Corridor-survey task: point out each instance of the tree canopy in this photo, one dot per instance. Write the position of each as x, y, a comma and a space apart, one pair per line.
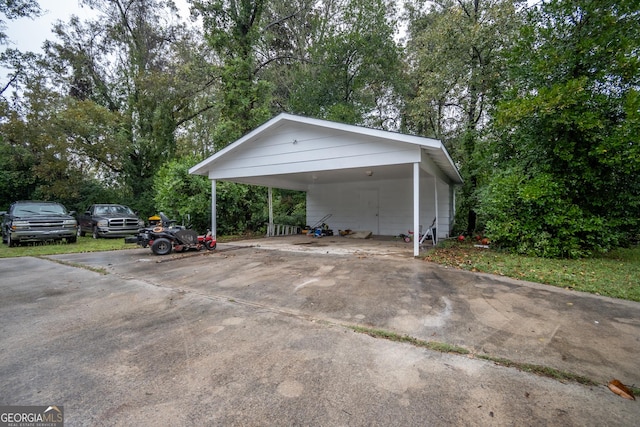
539, 105
568, 143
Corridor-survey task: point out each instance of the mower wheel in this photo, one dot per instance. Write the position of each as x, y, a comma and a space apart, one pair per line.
211, 245
161, 246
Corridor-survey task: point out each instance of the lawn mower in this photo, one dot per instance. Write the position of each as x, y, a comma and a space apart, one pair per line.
164, 236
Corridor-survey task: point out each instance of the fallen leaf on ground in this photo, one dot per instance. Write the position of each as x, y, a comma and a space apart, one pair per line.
621, 390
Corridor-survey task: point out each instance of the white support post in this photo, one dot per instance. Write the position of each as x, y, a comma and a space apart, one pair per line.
213, 208
270, 231
435, 192
452, 221
416, 209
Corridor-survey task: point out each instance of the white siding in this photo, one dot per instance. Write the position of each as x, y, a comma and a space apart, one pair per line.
301, 149
395, 206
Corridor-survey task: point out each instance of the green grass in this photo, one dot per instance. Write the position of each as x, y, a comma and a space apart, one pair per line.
616, 274
540, 370
543, 371
392, 336
84, 244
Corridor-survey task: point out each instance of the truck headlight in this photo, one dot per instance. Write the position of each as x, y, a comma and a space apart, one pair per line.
103, 223
19, 225
68, 223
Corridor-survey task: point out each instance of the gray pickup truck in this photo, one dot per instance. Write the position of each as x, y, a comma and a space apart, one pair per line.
37, 221
109, 220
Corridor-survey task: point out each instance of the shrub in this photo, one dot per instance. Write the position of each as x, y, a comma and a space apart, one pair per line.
533, 215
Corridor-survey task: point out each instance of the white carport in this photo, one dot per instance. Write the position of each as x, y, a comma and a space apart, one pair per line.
366, 179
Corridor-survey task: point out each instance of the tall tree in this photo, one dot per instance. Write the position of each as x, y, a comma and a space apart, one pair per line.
233, 29
569, 131
455, 53
12, 59
352, 70
132, 61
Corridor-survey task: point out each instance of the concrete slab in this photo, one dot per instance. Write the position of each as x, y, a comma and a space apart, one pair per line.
253, 336
386, 246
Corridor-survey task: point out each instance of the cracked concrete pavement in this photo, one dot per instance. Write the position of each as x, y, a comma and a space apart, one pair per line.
252, 335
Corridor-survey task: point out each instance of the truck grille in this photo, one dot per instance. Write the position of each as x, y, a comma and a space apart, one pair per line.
123, 223
46, 225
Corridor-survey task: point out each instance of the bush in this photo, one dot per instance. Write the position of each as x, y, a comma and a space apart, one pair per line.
533, 215
182, 196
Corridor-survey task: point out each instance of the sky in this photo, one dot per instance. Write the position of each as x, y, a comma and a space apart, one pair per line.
29, 34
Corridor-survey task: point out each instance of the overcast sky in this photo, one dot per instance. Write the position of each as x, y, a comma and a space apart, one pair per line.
30, 34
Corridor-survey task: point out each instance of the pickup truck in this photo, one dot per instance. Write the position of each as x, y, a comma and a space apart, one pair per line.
109, 220
37, 221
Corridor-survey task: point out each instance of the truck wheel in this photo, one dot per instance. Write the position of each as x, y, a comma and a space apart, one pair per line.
10, 241
72, 239
161, 246
80, 233
94, 234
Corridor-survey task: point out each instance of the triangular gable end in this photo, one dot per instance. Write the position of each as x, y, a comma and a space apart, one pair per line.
289, 144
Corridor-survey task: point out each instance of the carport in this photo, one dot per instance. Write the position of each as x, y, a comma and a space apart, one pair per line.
365, 179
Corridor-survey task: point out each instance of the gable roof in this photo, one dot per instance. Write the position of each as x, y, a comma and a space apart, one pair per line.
387, 146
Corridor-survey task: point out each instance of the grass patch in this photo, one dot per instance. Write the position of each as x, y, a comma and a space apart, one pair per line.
616, 274
99, 270
84, 244
543, 371
391, 336
540, 370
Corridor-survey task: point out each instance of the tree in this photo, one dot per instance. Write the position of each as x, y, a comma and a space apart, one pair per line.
233, 29
352, 70
183, 196
135, 62
573, 115
11, 58
456, 63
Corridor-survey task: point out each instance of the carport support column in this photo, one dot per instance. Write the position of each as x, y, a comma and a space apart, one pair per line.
213, 208
270, 230
435, 203
416, 209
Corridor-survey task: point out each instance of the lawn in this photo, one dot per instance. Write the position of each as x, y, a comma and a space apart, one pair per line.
84, 244
616, 274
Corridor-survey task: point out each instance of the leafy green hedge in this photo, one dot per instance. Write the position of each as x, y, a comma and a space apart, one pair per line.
532, 215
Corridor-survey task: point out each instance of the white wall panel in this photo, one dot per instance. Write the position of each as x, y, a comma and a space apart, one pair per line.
306, 150
395, 206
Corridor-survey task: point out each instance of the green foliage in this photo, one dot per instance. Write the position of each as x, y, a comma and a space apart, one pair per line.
233, 29
571, 124
182, 196
289, 207
17, 180
531, 215
241, 208
552, 171
456, 76
354, 68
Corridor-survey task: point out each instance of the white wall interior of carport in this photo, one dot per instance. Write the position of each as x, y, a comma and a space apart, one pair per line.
382, 206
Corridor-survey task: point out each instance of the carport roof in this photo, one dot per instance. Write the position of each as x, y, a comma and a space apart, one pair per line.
432, 148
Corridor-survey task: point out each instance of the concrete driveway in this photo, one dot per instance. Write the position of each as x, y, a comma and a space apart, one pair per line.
251, 335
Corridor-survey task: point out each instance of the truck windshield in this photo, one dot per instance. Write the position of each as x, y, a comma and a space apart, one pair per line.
39, 209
